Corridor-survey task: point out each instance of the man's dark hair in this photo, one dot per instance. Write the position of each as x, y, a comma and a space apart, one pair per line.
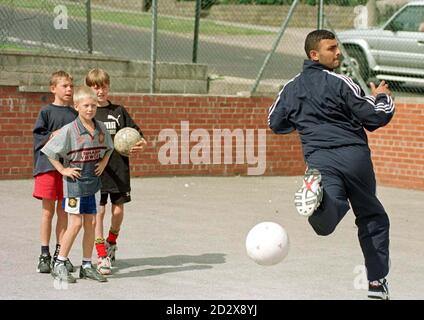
314, 37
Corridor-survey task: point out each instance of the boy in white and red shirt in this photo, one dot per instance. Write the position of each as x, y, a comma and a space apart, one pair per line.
85, 147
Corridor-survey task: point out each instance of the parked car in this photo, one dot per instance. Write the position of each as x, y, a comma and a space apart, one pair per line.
393, 52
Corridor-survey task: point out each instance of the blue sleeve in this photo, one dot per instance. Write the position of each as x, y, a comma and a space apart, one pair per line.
372, 112
278, 115
41, 131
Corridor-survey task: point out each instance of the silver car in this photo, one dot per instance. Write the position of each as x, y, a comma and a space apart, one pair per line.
393, 52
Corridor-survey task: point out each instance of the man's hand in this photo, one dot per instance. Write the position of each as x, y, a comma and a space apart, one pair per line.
139, 147
383, 87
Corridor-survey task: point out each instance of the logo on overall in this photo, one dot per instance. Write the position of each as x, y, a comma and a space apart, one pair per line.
72, 202
112, 126
109, 116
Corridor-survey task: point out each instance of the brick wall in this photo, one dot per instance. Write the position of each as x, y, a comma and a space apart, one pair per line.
397, 149
154, 113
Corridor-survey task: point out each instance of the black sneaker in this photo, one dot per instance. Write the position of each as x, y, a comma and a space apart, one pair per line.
60, 273
379, 290
44, 264
91, 273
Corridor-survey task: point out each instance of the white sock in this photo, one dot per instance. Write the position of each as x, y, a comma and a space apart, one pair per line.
60, 260
86, 263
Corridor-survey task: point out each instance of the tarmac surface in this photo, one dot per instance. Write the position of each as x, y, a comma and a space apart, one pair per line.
183, 238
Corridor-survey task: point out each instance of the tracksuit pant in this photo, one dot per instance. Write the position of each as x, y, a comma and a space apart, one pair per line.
348, 174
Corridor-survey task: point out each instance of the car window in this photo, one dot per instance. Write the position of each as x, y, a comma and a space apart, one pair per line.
411, 19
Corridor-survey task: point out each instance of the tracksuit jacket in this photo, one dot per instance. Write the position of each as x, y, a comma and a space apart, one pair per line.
328, 110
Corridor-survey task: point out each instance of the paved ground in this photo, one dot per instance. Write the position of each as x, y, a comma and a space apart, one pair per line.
183, 238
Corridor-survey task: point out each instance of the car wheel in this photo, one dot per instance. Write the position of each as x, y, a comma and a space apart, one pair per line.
357, 62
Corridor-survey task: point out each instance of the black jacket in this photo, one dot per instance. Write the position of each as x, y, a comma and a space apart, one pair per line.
328, 110
116, 176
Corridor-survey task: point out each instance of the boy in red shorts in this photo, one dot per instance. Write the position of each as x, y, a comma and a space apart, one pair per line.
48, 185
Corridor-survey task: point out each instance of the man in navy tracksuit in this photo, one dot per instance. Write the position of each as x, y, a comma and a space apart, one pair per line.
330, 112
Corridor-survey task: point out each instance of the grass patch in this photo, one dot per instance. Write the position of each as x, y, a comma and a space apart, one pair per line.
12, 46
140, 20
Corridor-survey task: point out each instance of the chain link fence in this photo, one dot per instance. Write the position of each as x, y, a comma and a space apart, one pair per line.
44, 26
245, 42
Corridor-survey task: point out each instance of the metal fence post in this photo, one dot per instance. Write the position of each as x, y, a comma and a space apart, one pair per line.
153, 46
372, 13
320, 14
274, 46
196, 30
89, 27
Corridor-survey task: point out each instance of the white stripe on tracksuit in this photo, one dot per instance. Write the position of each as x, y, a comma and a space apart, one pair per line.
385, 107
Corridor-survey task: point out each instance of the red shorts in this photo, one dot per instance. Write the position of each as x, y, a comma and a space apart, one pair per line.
48, 185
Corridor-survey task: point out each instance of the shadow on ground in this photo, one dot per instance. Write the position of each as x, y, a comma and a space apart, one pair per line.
125, 268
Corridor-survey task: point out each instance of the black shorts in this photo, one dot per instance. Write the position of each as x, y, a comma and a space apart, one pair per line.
115, 198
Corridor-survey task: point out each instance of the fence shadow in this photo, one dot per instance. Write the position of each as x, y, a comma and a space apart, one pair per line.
126, 268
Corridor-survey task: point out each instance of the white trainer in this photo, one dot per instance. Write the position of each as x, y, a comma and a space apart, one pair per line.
308, 198
104, 265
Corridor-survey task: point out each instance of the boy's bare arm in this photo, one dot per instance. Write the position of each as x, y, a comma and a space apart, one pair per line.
101, 165
73, 173
139, 146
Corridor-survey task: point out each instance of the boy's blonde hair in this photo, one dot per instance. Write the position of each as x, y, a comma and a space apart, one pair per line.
97, 77
84, 92
55, 76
